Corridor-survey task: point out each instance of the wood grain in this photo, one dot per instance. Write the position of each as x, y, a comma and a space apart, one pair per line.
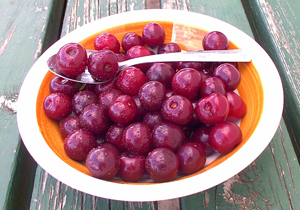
270, 182
25, 25
276, 27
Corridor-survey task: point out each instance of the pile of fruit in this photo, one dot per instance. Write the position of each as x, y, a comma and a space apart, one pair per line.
156, 119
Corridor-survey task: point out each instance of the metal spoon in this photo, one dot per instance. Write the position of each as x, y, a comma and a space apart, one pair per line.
237, 55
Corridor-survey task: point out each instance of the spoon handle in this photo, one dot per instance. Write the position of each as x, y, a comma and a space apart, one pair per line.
198, 56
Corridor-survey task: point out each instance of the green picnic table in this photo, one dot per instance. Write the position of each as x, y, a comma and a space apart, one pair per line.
29, 27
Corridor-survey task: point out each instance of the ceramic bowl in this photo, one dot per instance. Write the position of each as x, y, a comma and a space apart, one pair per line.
260, 88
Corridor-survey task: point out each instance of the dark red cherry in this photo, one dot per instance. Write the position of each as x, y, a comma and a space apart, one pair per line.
137, 138
71, 59
162, 73
114, 136
103, 162
152, 95
61, 85
162, 164
131, 39
214, 65
186, 82
153, 34
79, 143
168, 48
122, 110
130, 80
57, 106
212, 85
212, 109
94, 118
151, 119
132, 167
225, 136
237, 107
201, 136
189, 64
107, 41
141, 111
229, 75
103, 65
99, 88
215, 40
82, 99
136, 52
108, 96
167, 135
69, 125
177, 109
191, 157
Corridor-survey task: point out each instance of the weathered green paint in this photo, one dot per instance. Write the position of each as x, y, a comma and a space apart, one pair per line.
276, 27
26, 26
270, 182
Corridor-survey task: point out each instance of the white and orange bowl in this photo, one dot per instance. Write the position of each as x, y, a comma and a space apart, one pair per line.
260, 88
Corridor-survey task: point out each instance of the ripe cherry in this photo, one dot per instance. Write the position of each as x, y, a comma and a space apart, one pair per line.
71, 59
132, 167
108, 96
212, 109
103, 162
114, 136
107, 41
160, 72
212, 85
61, 85
153, 34
137, 138
177, 109
225, 136
136, 52
167, 135
237, 107
130, 80
122, 110
162, 164
103, 65
57, 106
186, 82
131, 39
229, 75
191, 157
82, 99
201, 136
69, 125
79, 143
168, 48
152, 119
152, 95
215, 40
94, 118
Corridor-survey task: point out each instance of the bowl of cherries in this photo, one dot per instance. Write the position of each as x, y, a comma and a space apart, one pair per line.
155, 126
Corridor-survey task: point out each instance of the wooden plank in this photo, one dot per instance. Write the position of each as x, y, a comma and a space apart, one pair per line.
49, 193
276, 27
25, 25
270, 182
